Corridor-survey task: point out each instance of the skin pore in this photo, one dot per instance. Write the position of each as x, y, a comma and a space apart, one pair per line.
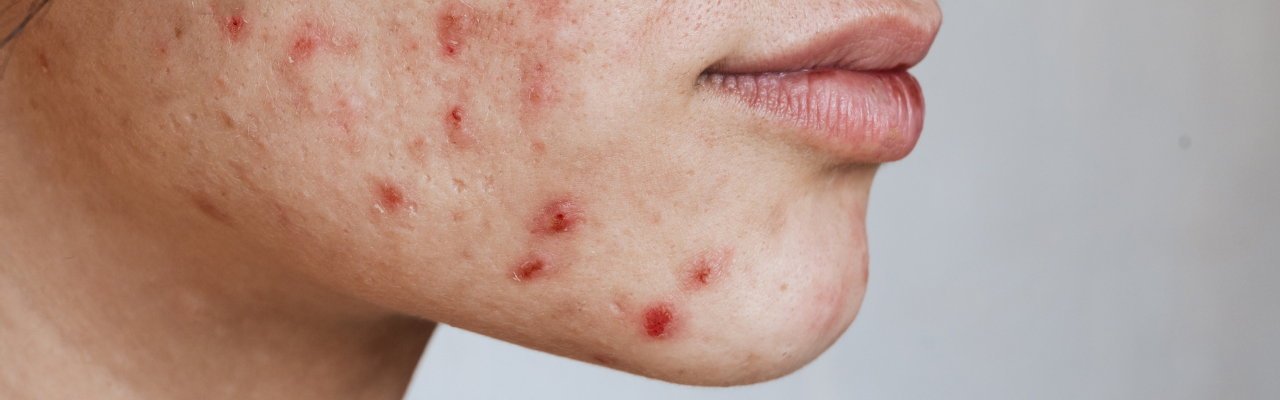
274, 199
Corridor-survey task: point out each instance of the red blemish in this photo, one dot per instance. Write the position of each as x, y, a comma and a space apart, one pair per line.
539, 88
282, 215
459, 133
604, 360
206, 207
391, 198
559, 216
550, 9
346, 110
307, 39
44, 62
235, 27
418, 148
659, 320
706, 268
457, 23
531, 268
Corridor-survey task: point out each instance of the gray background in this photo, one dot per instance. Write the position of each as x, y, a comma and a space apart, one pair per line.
1091, 214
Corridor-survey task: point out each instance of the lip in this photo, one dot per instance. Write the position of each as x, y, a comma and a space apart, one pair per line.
844, 92
860, 117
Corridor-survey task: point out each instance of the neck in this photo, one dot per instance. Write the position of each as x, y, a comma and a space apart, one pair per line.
98, 299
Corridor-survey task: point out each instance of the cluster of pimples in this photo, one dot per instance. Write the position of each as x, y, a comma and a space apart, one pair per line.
464, 36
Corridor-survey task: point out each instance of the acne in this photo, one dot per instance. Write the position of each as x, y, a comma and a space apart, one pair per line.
390, 198
659, 320
43, 59
604, 360
706, 268
206, 207
312, 37
282, 215
539, 84
458, 129
557, 217
532, 268
231, 17
455, 27
236, 28
306, 40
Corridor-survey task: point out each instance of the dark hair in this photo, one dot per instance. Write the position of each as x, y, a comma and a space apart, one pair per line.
5, 21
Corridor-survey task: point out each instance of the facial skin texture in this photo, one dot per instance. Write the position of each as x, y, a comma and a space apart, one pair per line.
321, 173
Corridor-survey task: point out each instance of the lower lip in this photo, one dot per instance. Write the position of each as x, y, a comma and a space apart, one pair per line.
860, 117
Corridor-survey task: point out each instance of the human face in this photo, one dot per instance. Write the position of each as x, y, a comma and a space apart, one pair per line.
625, 183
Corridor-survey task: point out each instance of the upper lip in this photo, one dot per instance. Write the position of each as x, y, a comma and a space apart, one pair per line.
877, 39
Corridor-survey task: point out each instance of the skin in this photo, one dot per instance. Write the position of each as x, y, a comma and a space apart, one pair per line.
275, 199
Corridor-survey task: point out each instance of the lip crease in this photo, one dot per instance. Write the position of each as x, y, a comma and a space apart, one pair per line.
845, 93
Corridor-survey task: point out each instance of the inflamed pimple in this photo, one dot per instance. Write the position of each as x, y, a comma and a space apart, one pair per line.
311, 37
235, 27
659, 320
706, 268
460, 134
390, 197
456, 24
531, 268
557, 217
206, 207
306, 40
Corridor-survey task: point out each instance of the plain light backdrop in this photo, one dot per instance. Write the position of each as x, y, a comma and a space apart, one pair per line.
1093, 212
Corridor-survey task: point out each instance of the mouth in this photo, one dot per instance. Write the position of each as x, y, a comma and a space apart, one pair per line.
844, 92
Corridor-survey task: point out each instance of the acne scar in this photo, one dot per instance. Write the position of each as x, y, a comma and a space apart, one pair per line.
706, 268
659, 320
557, 217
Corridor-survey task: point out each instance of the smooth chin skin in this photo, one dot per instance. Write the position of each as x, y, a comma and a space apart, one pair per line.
544, 172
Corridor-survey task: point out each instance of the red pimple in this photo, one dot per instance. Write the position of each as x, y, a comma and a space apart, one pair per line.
235, 27
44, 62
307, 40
550, 9
459, 134
390, 197
604, 360
206, 207
455, 25
538, 87
659, 320
706, 268
559, 216
531, 269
